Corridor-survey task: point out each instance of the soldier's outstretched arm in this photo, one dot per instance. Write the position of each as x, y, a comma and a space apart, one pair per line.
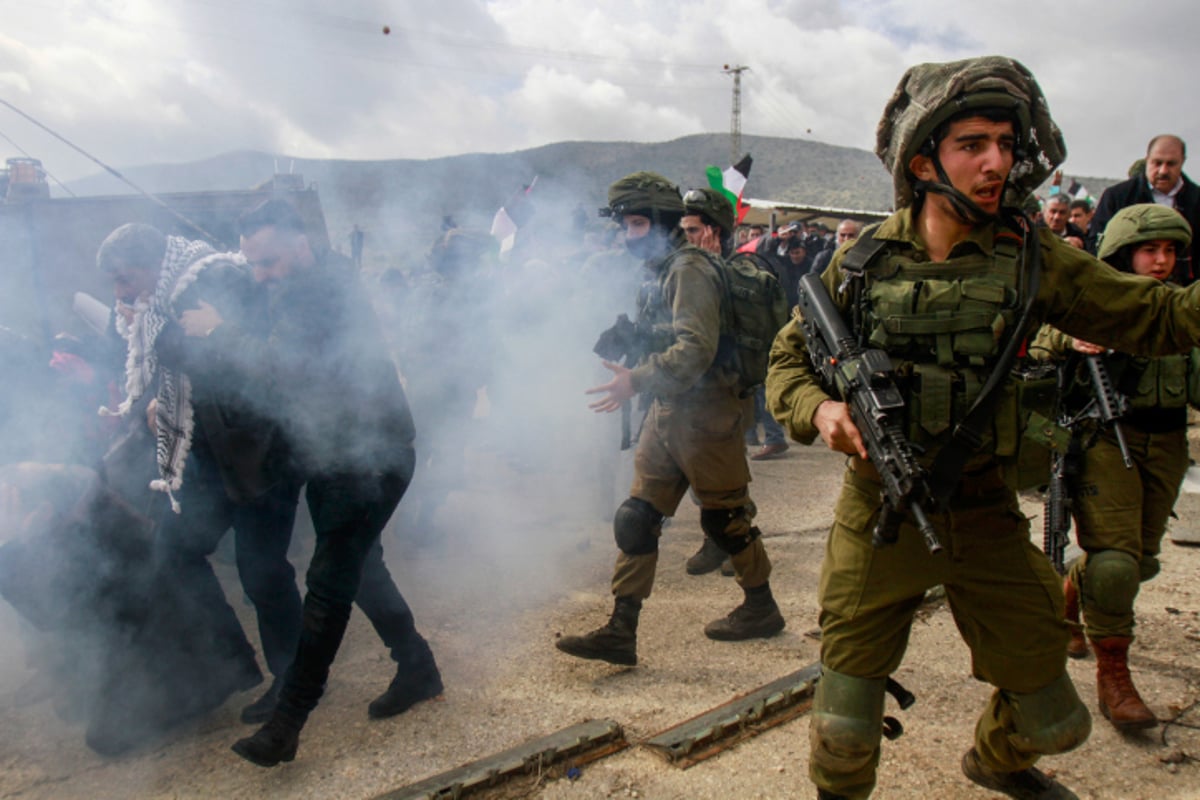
1091, 301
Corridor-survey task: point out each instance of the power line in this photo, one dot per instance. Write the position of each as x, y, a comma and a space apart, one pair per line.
212, 239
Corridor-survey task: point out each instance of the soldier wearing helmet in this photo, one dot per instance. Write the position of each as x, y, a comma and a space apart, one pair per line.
692, 434
1121, 515
951, 286
708, 221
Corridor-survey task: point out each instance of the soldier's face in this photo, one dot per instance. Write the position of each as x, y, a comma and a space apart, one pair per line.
635, 226
1164, 164
1155, 259
698, 234
977, 155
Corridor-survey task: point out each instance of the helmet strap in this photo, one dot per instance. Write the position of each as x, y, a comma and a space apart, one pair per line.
963, 207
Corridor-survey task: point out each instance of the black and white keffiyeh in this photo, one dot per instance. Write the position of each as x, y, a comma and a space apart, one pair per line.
183, 263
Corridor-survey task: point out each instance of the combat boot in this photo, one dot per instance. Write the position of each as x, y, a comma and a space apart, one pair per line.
272, 743
757, 617
614, 642
1120, 702
1024, 784
708, 558
1077, 646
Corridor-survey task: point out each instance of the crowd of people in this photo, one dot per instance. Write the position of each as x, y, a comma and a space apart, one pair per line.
254, 378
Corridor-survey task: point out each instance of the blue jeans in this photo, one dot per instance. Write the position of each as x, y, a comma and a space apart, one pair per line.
772, 430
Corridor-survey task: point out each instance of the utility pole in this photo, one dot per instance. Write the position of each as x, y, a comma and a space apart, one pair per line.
735, 118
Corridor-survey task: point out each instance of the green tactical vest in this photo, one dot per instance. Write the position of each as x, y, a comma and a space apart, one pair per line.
1160, 382
944, 324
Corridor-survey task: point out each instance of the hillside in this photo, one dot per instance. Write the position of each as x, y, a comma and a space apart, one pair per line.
401, 202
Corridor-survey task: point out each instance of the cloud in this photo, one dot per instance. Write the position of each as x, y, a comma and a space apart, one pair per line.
140, 81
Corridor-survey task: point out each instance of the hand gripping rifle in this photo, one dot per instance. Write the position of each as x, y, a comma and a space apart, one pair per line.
864, 379
1107, 405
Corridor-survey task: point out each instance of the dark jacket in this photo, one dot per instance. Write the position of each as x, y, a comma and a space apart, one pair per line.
247, 447
323, 373
1136, 190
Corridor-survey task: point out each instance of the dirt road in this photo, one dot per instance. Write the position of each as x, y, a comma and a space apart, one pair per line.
491, 598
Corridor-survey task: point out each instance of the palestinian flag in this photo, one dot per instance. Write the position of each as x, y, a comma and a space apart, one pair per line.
731, 182
1077, 190
511, 216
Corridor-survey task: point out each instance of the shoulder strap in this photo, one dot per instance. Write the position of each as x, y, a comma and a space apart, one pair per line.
862, 252
967, 435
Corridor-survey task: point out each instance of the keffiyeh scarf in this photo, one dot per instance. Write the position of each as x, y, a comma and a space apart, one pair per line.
182, 264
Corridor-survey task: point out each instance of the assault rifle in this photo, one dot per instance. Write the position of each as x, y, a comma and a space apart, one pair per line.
1105, 405
620, 342
864, 379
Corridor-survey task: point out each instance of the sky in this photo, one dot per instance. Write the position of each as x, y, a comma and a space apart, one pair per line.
142, 81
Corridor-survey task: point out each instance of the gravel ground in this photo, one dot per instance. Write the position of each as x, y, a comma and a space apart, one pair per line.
518, 565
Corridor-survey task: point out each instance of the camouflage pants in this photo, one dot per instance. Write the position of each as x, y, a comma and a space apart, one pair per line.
696, 443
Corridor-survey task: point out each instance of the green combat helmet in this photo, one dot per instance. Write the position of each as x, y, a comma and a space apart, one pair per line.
713, 206
1145, 222
931, 94
645, 194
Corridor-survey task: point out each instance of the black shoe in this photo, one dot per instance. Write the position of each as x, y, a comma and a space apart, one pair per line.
708, 558
261, 709
404, 692
615, 643
760, 620
1025, 784
274, 742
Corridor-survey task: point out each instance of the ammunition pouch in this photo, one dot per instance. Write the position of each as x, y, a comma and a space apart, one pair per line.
1026, 434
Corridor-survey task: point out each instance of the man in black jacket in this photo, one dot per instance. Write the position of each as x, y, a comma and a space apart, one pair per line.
1162, 182
324, 375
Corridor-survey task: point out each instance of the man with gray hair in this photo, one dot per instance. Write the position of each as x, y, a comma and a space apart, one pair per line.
1056, 216
1161, 181
234, 461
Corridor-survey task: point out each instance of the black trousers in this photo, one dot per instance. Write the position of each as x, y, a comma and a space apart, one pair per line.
263, 531
349, 512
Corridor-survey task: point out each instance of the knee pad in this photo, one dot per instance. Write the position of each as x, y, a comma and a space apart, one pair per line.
1110, 581
847, 722
1051, 720
636, 527
729, 528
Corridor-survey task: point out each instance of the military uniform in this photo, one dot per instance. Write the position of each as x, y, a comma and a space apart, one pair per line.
693, 433
1121, 514
1002, 591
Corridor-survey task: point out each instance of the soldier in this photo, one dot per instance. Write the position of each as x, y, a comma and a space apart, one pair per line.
948, 285
692, 435
1122, 514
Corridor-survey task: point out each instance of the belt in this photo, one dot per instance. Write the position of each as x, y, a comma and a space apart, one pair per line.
985, 482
